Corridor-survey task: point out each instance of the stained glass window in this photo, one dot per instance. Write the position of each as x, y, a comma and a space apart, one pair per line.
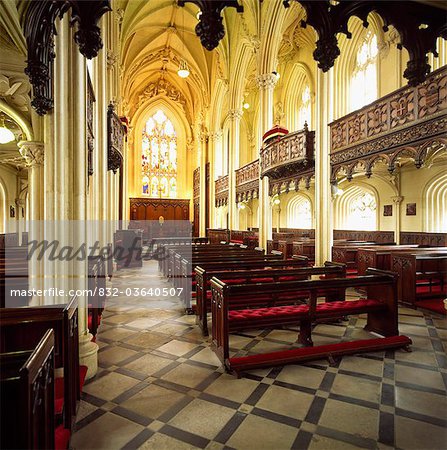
364, 79
159, 157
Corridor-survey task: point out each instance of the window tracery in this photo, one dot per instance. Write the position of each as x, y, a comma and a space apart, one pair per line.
364, 78
159, 157
304, 113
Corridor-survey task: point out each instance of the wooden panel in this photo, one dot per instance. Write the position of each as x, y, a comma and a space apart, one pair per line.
431, 239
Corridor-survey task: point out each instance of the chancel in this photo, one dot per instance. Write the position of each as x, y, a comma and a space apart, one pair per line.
223, 224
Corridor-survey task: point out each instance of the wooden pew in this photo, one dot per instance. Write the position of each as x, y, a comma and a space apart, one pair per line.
13, 276
22, 329
379, 257
380, 305
185, 281
291, 270
347, 253
422, 275
97, 291
27, 398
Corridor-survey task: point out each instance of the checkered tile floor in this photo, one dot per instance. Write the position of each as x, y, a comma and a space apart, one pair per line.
159, 386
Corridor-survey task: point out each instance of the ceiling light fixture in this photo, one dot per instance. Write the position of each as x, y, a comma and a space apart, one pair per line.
246, 105
6, 135
183, 69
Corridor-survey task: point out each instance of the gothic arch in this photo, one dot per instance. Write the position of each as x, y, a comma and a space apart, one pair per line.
3, 204
299, 78
184, 139
295, 208
343, 203
435, 204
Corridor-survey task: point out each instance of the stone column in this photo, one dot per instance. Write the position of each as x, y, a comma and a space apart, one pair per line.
203, 206
235, 116
397, 201
266, 83
323, 203
215, 145
33, 153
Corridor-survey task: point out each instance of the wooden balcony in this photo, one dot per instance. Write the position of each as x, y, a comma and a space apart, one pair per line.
288, 156
221, 191
410, 122
247, 181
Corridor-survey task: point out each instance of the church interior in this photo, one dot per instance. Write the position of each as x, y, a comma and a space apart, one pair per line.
223, 224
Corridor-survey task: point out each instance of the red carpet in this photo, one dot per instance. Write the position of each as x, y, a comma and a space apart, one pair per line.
435, 305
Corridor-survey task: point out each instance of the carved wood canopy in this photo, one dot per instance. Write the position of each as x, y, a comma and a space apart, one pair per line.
419, 26
210, 28
409, 122
288, 160
247, 181
116, 133
221, 191
39, 31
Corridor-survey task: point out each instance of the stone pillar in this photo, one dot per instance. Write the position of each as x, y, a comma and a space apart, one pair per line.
266, 83
215, 146
235, 116
33, 153
88, 350
203, 206
397, 200
323, 198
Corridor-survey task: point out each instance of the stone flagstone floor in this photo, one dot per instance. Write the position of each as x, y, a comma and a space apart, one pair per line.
159, 386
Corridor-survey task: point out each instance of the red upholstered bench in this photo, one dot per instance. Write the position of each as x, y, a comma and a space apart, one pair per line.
282, 271
380, 306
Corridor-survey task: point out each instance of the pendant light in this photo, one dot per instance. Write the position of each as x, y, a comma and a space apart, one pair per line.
6, 135
183, 69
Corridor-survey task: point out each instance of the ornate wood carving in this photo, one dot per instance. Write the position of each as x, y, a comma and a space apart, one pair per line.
431, 239
115, 139
407, 122
247, 181
221, 191
210, 28
39, 31
288, 156
196, 185
90, 135
418, 25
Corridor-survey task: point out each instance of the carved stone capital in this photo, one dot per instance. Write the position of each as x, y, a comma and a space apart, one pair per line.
112, 59
216, 135
397, 200
32, 152
235, 114
266, 81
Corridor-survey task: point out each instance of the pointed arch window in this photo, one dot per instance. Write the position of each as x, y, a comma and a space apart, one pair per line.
364, 78
304, 113
362, 212
159, 157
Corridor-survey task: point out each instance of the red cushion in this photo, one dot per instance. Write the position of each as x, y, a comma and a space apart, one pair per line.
58, 395
339, 308
61, 438
264, 313
435, 289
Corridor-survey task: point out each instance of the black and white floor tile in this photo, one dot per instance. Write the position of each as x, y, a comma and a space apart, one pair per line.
160, 386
